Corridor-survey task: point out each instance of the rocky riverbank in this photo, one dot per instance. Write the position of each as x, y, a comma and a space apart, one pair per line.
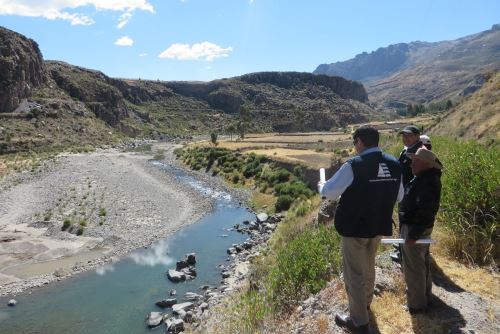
80, 211
192, 307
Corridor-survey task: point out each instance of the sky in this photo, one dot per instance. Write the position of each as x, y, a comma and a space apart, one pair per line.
210, 39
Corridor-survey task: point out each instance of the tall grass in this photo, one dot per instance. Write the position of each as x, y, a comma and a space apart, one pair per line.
304, 266
470, 199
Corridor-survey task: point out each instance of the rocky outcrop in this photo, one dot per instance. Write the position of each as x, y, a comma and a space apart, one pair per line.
346, 89
91, 87
21, 68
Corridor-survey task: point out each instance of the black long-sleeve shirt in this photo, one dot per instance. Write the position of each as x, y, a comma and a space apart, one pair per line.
421, 202
405, 161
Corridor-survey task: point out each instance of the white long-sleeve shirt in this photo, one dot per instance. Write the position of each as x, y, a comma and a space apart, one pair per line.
338, 183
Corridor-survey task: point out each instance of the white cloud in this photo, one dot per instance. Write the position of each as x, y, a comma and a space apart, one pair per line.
123, 20
58, 9
143, 54
124, 41
198, 51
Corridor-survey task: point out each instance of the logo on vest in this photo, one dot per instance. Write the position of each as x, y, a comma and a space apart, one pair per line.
383, 170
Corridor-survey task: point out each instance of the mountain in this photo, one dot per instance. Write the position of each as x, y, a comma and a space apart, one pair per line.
421, 72
52, 103
477, 117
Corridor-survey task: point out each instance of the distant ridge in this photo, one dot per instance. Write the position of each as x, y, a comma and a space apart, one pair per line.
420, 72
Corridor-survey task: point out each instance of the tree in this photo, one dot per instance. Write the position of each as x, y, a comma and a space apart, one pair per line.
409, 109
240, 126
244, 120
213, 138
231, 129
448, 104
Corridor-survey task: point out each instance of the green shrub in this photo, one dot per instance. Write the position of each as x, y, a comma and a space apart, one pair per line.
279, 176
66, 224
235, 178
47, 215
283, 203
304, 265
298, 171
295, 189
469, 200
102, 212
80, 230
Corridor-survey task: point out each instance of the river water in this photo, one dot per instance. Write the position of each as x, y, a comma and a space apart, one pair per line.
116, 298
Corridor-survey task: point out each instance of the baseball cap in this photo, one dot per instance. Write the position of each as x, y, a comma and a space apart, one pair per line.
410, 129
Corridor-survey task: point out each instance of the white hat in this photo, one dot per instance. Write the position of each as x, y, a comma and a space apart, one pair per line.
427, 156
425, 139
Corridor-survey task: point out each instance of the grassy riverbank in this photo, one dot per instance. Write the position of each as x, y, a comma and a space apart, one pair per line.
301, 258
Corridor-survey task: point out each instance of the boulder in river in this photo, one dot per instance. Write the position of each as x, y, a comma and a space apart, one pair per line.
191, 296
191, 259
262, 217
154, 319
175, 325
182, 306
166, 302
176, 276
179, 265
12, 302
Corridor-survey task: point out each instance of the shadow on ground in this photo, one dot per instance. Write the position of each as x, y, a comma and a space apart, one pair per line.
440, 317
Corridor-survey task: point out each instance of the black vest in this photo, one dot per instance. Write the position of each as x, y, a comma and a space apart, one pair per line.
365, 207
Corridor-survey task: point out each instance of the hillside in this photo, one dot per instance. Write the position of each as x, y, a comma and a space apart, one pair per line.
477, 117
420, 72
51, 103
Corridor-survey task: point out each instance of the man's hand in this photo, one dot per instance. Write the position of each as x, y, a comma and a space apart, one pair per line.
410, 242
320, 186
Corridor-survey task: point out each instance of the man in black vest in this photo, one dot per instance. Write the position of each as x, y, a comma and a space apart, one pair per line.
370, 185
411, 140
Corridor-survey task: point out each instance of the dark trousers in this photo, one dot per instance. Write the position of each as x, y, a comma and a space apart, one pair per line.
417, 271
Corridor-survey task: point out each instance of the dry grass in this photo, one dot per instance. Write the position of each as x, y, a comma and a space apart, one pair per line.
477, 117
475, 279
307, 157
422, 120
262, 200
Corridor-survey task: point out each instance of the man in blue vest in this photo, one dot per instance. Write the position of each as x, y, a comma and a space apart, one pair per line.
370, 184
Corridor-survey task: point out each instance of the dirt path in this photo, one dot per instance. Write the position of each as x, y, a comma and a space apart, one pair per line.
111, 202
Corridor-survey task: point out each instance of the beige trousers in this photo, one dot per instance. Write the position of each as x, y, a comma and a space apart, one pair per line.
359, 275
417, 271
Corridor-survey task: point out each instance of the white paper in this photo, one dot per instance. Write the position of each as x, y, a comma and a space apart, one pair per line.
322, 175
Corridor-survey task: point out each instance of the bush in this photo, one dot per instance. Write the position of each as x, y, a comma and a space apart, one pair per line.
469, 200
283, 203
235, 178
102, 212
295, 189
304, 265
279, 176
298, 171
66, 224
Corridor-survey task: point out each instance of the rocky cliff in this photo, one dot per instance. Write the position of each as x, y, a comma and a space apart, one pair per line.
21, 68
87, 103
